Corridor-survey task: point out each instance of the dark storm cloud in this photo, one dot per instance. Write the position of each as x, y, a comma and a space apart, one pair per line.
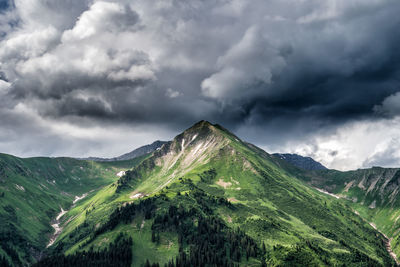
4, 5
329, 66
333, 78
294, 69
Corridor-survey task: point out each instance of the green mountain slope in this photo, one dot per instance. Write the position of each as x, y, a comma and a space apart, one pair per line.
34, 190
372, 193
209, 199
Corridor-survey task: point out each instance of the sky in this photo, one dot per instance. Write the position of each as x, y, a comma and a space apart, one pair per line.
102, 77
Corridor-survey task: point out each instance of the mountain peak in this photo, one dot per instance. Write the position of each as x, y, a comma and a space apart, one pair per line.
201, 124
200, 129
203, 128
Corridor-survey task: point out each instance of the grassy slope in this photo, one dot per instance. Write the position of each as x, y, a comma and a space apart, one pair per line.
269, 204
373, 193
36, 188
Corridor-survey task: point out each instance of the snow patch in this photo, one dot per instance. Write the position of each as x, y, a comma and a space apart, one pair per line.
57, 225
77, 198
327, 193
183, 144
57, 228
137, 195
61, 214
121, 173
20, 187
51, 182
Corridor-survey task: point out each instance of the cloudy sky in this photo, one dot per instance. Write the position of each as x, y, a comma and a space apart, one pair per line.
99, 78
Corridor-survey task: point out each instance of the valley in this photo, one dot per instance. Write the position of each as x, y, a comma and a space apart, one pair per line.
57, 228
32, 193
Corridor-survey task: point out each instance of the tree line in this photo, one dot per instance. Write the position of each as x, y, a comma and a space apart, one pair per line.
117, 254
210, 241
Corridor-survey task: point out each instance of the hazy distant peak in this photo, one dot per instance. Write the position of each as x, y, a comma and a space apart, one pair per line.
143, 150
305, 163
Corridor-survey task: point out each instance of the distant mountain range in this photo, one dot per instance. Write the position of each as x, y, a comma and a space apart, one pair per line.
305, 163
143, 150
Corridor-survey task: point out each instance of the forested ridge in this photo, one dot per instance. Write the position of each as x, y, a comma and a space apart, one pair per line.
118, 254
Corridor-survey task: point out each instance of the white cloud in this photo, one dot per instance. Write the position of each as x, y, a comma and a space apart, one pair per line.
60, 138
4, 88
83, 56
355, 145
253, 60
100, 18
390, 106
172, 93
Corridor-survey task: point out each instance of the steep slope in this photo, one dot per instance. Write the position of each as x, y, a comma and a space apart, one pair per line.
139, 152
305, 163
34, 190
187, 201
373, 193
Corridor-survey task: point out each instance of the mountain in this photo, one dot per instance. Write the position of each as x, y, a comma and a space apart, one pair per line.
141, 151
208, 198
305, 163
373, 193
34, 190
